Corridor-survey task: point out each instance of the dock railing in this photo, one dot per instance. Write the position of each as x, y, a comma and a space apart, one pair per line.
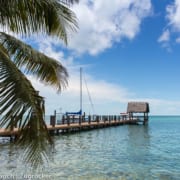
77, 123
74, 119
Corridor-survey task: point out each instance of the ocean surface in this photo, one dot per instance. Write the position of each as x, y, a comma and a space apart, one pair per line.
129, 152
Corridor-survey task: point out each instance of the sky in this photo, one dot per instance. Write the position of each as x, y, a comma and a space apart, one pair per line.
129, 50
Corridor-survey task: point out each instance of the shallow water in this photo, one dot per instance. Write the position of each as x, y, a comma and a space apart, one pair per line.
124, 153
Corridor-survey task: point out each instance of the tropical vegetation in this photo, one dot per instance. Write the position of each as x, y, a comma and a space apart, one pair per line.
20, 103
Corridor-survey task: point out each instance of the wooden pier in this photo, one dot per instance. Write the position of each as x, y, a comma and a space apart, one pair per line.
75, 124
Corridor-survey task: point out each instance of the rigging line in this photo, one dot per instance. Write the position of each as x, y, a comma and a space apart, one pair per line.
90, 99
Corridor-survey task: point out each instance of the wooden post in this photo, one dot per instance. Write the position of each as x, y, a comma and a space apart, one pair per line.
115, 118
52, 121
145, 119
84, 115
63, 119
93, 118
73, 118
68, 120
132, 116
89, 119
97, 119
80, 120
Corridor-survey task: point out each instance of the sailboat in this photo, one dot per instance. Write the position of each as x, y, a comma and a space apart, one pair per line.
80, 111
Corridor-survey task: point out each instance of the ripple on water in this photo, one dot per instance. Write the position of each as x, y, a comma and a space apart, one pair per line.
125, 152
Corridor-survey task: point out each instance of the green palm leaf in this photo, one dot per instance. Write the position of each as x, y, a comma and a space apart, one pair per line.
30, 16
20, 103
18, 97
46, 69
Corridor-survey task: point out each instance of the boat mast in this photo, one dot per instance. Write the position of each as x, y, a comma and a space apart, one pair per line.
80, 89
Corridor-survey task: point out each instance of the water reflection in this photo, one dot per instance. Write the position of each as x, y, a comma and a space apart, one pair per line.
138, 150
138, 139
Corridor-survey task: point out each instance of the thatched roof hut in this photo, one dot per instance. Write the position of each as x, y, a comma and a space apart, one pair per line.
138, 107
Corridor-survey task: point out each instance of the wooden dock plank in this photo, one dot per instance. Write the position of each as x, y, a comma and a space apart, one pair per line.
15, 131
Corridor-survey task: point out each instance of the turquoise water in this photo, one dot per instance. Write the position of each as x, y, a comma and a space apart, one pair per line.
118, 153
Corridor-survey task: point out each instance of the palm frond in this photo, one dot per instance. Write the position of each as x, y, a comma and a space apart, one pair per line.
50, 17
46, 69
20, 104
19, 98
68, 2
35, 139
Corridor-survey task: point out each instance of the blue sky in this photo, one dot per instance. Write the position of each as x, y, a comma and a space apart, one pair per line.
129, 51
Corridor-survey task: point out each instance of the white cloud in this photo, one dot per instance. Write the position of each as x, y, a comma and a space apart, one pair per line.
173, 26
50, 47
107, 98
173, 15
165, 37
102, 23
100, 26
103, 94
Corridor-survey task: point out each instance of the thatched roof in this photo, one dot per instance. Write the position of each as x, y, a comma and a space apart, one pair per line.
138, 107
